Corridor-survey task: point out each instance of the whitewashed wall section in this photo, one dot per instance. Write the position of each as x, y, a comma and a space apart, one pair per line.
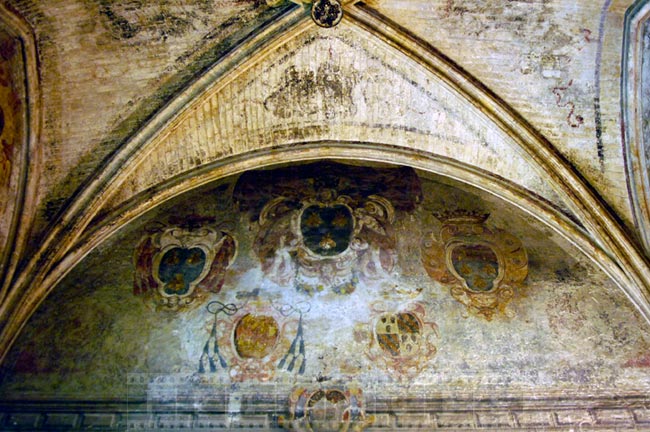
555, 63
332, 85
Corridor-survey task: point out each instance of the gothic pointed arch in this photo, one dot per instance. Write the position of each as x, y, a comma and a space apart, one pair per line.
20, 152
256, 107
635, 101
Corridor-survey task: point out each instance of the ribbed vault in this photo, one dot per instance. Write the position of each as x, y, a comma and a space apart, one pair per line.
249, 102
365, 98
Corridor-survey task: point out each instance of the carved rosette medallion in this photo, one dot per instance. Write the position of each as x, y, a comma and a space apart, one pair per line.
176, 266
325, 242
402, 341
327, 13
481, 265
326, 410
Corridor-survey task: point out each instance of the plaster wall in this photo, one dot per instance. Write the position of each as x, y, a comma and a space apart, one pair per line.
567, 328
557, 64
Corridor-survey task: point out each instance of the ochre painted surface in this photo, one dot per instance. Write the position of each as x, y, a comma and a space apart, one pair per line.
564, 328
107, 66
104, 76
338, 86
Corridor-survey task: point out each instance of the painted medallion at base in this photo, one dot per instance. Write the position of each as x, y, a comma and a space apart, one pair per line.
326, 410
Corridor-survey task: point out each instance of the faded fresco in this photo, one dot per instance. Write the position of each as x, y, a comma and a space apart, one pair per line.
122, 60
334, 295
12, 133
332, 86
333, 284
326, 409
178, 264
483, 266
325, 228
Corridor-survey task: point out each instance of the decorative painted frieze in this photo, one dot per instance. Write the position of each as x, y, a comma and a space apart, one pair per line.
482, 266
513, 414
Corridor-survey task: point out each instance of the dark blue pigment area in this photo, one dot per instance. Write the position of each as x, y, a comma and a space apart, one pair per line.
179, 267
326, 230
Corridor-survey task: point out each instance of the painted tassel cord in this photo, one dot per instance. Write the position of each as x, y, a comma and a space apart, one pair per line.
211, 347
296, 353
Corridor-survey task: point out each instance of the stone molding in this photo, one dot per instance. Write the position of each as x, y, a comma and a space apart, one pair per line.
548, 414
28, 154
634, 77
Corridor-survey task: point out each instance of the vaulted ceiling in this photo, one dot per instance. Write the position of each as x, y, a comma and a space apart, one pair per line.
240, 195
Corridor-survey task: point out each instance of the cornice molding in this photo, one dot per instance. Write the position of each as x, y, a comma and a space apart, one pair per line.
263, 411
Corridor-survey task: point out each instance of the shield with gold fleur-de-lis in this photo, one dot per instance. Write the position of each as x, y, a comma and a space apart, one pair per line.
327, 229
